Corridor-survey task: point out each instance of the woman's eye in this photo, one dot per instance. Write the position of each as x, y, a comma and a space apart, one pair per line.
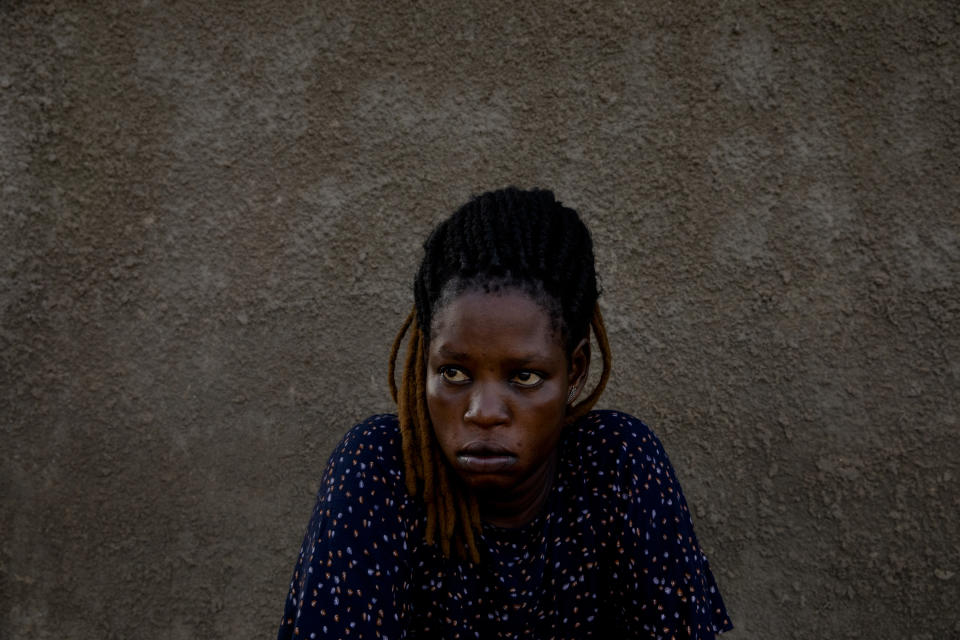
527, 378
454, 375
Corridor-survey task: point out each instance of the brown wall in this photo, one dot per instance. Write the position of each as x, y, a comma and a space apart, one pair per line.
209, 221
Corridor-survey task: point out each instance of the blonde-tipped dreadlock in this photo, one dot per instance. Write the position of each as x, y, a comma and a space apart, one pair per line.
449, 509
507, 238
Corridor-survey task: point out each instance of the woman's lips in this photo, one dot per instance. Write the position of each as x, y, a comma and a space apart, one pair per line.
485, 457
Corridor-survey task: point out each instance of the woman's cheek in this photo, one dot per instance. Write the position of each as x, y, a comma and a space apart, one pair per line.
440, 405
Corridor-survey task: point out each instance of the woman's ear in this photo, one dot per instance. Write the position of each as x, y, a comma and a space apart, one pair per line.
579, 368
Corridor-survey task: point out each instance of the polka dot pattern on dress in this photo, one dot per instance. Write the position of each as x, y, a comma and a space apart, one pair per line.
613, 554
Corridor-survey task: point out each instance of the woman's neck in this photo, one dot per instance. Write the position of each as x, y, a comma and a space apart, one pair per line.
524, 504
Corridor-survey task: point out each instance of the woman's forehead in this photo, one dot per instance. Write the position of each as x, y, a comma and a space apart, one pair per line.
494, 290
506, 318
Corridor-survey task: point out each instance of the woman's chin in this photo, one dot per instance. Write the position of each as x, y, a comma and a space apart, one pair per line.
485, 484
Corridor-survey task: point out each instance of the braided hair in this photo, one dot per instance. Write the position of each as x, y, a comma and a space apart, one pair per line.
510, 238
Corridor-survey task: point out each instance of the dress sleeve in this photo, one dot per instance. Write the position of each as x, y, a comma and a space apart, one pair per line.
350, 578
667, 587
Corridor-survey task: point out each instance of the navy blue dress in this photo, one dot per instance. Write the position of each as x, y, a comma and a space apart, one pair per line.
613, 555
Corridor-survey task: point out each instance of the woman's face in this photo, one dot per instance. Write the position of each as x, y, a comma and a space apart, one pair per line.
498, 378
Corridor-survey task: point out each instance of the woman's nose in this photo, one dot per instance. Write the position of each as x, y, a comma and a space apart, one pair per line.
487, 407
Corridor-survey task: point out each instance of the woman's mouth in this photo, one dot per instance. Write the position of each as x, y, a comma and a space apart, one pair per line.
485, 457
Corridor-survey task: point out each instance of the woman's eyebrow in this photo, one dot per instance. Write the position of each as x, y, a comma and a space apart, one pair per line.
523, 360
445, 351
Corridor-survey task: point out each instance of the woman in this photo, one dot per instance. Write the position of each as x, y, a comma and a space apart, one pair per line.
495, 505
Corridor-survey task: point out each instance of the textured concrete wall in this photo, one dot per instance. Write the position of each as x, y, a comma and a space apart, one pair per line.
211, 216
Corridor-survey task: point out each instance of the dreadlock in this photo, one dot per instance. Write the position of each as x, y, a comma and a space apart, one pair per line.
501, 239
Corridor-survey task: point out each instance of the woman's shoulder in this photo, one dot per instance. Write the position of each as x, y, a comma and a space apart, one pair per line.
624, 462
617, 446
370, 452
380, 432
614, 433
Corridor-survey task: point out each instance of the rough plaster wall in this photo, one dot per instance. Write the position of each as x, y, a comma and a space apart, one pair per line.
210, 218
